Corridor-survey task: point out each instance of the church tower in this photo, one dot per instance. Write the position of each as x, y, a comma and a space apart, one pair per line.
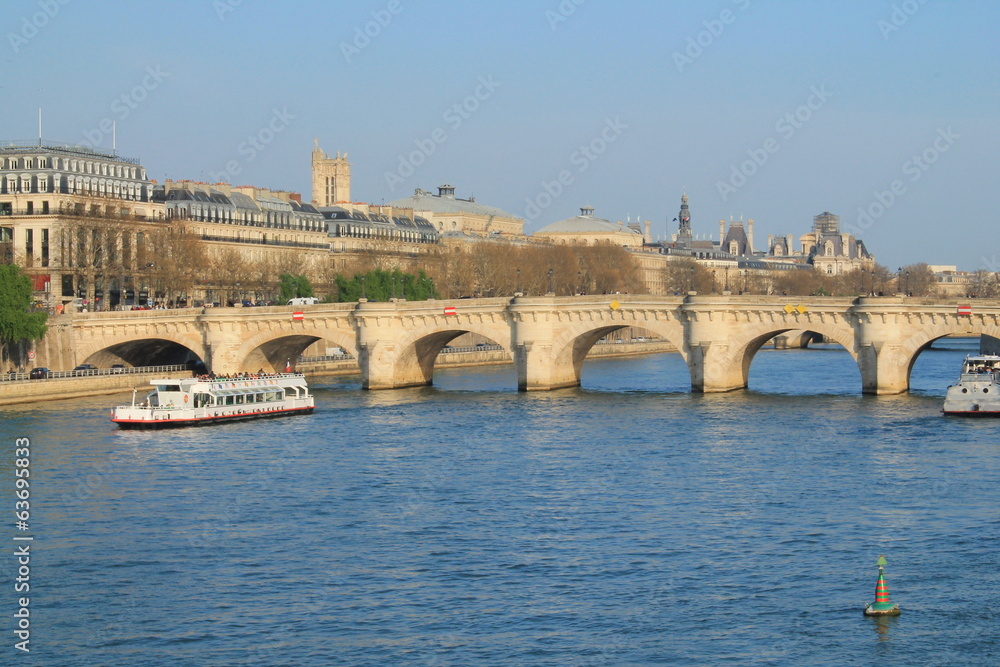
684, 221
331, 178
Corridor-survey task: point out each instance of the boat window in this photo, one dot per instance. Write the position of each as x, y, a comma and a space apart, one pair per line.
168, 387
239, 399
229, 400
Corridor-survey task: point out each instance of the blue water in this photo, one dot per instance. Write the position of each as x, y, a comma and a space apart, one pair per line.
627, 522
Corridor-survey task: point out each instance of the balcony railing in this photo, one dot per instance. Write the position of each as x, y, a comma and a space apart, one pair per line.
286, 244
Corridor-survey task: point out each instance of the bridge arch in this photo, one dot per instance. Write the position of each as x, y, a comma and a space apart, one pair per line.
410, 360
139, 350
750, 340
907, 352
273, 349
571, 346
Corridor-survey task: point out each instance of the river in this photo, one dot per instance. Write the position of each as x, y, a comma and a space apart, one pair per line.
627, 522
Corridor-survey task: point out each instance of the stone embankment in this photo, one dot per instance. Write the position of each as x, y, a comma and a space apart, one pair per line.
50, 389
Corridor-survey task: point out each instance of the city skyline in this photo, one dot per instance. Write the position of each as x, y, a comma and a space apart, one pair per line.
882, 113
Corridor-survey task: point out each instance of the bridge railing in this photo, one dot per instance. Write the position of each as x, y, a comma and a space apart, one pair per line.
95, 372
326, 357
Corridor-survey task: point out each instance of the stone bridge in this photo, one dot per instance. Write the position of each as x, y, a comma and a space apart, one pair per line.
547, 337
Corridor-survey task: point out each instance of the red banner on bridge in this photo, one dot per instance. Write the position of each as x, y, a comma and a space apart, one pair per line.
450, 310
298, 316
965, 310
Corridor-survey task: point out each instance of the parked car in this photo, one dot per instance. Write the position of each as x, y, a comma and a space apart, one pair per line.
117, 368
84, 369
39, 373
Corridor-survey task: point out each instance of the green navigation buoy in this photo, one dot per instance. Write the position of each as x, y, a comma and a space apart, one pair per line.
881, 606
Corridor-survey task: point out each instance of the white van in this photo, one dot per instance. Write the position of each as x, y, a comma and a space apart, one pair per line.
303, 301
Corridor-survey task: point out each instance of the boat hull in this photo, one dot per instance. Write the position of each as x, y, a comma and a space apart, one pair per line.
177, 422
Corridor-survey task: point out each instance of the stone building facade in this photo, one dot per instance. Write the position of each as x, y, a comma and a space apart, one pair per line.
48, 194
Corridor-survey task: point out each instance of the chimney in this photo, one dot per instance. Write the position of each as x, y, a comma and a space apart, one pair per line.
722, 232
791, 244
649, 233
750, 236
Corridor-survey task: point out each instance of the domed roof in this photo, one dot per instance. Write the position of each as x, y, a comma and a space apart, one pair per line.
583, 223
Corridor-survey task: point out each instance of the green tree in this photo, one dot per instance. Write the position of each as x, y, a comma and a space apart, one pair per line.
18, 323
380, 285
294, 287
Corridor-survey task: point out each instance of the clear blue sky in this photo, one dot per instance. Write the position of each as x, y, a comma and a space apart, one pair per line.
869, 86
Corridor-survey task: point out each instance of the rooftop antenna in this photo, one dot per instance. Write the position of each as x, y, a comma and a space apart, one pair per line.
114, 136
39, 126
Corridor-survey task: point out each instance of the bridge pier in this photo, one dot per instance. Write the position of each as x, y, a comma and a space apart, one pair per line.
544, 360
538, 370
382, 367
885, 366
222, 350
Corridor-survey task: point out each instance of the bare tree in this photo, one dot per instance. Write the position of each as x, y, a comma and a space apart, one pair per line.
918, 279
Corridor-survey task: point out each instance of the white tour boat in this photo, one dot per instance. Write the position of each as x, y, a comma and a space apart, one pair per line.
196, 401
977, 393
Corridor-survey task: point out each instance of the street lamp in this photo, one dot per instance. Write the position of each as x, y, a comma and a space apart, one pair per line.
551, 289
906, 285
713, 281
579, 282
727, 278
394, 287
518, 292
691, 279
363, 288
873, 283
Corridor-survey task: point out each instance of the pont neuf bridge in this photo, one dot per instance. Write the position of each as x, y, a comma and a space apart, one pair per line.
547, 337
